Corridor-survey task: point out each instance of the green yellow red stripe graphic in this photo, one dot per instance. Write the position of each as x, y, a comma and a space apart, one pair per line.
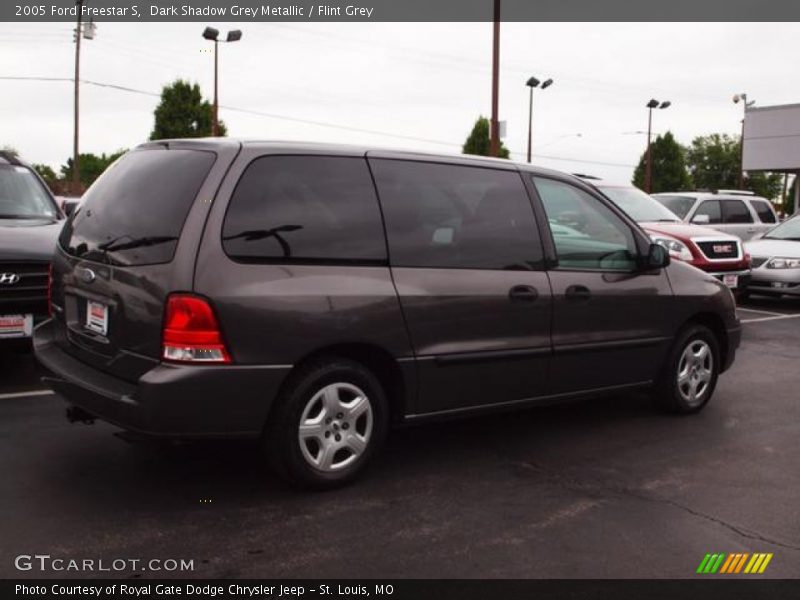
737, 562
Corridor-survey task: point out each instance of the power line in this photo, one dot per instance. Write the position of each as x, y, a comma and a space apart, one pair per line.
270, 115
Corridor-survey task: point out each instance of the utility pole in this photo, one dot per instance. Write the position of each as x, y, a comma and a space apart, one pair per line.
76, 159
494, 127
215, 123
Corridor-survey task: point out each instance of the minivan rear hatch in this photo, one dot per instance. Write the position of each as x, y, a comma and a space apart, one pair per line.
118, 257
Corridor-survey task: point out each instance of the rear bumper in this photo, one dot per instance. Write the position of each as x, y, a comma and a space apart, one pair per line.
172, 401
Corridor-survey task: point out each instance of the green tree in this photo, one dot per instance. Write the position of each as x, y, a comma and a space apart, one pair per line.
714, 161
92, 166
768, 185
47, 173
669, 166
10, 150
478, 141
182, 113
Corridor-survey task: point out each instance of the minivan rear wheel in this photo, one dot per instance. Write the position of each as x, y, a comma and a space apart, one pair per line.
689, 377
327, 424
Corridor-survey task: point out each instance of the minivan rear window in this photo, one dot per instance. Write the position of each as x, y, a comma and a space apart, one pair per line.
134, 213
306, 209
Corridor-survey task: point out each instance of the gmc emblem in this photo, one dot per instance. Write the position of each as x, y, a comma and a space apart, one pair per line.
723, 248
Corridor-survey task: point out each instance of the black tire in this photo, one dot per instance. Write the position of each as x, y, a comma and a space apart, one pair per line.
668, 393
281, 441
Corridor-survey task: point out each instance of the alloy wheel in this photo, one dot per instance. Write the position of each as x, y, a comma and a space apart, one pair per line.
335, 427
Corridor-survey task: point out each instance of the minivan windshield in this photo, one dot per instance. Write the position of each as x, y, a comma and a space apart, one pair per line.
640, 206
22, 195
788, 230
134, 213
680, 205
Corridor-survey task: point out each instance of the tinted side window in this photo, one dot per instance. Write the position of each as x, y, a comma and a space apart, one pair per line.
304, 208
764, 211
735, 211
450, 216
587, 234
134, 213
710, 208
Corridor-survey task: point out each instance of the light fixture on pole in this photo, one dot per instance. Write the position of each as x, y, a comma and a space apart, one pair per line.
745, 105
532, 83
212, 34
649, 172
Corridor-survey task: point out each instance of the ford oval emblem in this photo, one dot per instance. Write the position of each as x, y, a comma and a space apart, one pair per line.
87, 275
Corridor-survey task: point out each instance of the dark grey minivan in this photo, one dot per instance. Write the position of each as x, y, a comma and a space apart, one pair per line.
312, 295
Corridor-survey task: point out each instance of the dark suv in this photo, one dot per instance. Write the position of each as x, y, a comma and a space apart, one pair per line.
311, 295
29, 224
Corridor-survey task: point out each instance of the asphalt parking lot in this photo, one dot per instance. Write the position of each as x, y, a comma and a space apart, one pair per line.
606, 488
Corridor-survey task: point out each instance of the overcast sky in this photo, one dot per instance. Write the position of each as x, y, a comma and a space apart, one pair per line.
426, 83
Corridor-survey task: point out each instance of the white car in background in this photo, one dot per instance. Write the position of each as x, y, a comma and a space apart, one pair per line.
776, 260
738, 213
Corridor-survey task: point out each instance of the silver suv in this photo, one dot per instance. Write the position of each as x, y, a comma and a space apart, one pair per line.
739, 213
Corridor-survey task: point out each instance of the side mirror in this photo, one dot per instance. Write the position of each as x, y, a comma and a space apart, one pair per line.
759, 235
701, 219
657, 258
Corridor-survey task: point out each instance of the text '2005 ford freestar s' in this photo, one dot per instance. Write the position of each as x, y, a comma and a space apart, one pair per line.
312, 295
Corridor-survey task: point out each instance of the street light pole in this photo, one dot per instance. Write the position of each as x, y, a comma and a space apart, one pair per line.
494, 129
213, 34
76, 159
649, 174
745, 106
649, 160
532, 83
530, 121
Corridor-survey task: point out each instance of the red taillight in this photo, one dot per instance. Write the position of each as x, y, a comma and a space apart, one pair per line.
191, 332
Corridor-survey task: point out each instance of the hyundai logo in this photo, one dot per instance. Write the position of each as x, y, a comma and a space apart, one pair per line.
8, 278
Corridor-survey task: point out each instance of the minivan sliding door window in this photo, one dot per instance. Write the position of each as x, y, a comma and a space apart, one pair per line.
456, 217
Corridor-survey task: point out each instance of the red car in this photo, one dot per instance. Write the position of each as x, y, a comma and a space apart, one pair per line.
719, 254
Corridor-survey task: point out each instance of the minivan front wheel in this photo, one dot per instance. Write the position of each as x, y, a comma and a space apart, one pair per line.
327, 424
689, 377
